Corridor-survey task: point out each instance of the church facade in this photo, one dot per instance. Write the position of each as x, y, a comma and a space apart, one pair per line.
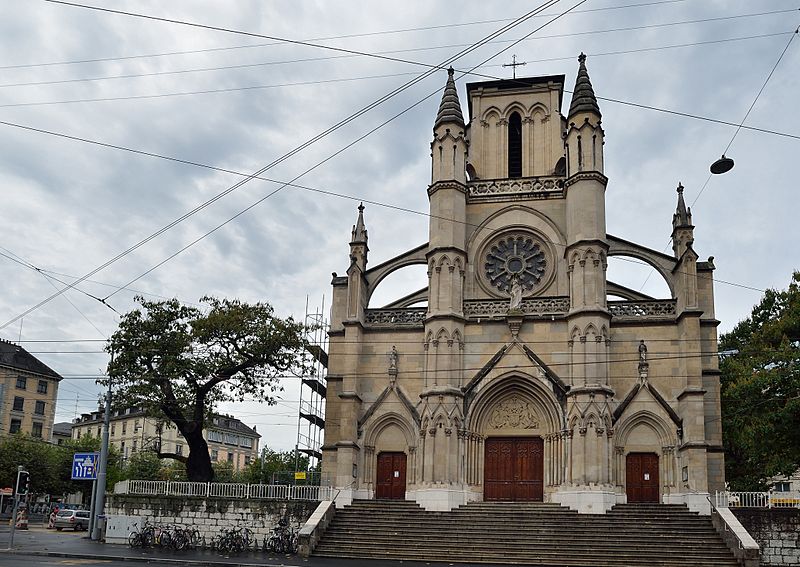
526, 375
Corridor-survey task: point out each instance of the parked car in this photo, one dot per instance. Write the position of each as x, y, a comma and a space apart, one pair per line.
75, 519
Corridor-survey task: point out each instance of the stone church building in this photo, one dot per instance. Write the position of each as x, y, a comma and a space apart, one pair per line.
525, 374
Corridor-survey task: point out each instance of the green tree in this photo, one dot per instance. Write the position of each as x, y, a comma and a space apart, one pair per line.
263, 469
144, 465
177, 362
761, 390
38, 458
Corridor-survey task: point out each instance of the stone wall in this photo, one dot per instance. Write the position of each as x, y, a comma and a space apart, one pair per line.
777, 531
210, 515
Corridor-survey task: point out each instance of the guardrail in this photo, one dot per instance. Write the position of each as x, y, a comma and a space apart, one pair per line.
758, 500
223, 490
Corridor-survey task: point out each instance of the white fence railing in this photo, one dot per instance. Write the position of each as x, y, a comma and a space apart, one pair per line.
758, 500
223, 490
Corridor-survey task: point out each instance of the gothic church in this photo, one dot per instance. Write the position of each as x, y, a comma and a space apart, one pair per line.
526, 375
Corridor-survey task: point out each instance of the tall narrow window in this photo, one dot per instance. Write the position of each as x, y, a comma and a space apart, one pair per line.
515, 145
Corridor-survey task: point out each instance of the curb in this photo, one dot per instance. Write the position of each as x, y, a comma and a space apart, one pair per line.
150, 559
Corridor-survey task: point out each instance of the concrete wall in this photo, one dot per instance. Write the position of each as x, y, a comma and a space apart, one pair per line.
210, 515
777, 532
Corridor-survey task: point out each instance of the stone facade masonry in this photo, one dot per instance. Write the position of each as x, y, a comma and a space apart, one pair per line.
777, 532
210, 515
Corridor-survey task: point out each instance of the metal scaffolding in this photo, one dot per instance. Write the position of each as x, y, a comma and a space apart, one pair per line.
313, 389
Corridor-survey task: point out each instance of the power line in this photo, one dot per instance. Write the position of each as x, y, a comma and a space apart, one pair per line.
383, 54
325, 38
301, 147
368, 77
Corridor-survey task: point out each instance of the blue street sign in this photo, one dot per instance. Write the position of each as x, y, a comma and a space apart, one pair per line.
84, 466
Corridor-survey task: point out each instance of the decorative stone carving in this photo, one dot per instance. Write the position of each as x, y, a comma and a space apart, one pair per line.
513, 413
538, 307
412, 317
491, 188
518, 256
657, 309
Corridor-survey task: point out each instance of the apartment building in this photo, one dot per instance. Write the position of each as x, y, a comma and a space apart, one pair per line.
28, 392
132, 430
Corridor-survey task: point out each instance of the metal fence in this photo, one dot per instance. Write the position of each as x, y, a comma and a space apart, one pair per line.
223, 490
758, 499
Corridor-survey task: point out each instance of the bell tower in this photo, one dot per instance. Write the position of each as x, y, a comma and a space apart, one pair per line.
589, 417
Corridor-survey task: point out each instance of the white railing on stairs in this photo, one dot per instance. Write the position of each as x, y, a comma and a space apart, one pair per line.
228, 490
757, 499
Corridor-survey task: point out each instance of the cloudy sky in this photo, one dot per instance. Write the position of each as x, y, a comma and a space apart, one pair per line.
239, 102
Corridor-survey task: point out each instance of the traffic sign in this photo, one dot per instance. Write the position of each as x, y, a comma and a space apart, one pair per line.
84, 466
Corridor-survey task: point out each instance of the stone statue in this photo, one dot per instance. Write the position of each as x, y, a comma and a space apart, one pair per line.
516, 293
642, 351
393, 361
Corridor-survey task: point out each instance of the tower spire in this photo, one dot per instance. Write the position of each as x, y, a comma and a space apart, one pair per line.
683, 215
450, 107
359, 234
583, 99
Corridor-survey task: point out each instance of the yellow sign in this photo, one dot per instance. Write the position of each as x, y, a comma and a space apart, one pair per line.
299, 476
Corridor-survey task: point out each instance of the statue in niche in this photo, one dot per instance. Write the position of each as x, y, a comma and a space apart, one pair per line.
393, 362
516, 294
642, 351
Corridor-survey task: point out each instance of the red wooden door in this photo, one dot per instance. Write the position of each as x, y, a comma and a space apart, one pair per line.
514, 469
391, 481
641, 477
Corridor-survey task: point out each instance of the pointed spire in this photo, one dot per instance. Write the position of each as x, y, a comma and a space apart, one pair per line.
359, 229
450, 107
683, 215
583, 99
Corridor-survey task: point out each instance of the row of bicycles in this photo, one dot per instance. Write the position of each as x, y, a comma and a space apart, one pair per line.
233, 540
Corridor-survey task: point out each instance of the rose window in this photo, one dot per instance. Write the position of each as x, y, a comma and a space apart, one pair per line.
517, 256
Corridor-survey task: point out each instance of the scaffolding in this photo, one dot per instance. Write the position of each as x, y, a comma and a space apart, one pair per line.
313, 389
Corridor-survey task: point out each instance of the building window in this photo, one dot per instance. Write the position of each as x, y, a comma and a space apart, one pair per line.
247, 459
41, 388
36, 430
782, 487
99, 432
39, 409
230, 457
16, 425
214, 455
19, 403
124, 450
178, 449
215, 436
246, 442
124, 427
22, 382
515, 145
113, 429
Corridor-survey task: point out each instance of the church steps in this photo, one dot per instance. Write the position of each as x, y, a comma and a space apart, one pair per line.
530, 533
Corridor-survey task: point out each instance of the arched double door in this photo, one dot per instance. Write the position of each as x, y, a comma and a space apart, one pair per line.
514, 469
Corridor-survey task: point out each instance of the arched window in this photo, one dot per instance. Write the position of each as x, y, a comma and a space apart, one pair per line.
515, 145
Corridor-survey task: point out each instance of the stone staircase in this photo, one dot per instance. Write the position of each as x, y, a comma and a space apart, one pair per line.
630, 535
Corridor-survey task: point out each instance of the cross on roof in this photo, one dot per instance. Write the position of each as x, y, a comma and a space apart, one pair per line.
514, 65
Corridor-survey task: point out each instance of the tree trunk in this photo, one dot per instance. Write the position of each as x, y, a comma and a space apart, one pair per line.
198, 465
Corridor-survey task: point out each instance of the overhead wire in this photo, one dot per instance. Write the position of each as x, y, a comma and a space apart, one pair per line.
369, 77
327, 38
381, 54
299, 148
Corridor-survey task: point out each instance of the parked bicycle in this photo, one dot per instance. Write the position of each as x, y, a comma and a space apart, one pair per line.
233, 540
283, 539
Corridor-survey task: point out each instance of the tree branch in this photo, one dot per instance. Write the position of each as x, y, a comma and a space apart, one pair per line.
181, 458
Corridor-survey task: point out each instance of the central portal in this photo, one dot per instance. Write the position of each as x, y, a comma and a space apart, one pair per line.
514, 469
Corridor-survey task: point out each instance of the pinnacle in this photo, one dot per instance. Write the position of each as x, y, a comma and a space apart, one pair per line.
583, 99
359, 229
450, 107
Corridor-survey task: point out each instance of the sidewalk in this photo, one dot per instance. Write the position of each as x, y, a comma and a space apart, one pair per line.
42, 542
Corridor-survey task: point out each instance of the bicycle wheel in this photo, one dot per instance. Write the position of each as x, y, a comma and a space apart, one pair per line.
179, 540
135, 539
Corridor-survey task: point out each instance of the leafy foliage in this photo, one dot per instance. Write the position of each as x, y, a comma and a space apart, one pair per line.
50, 465
264, 469
761, 391
177, 362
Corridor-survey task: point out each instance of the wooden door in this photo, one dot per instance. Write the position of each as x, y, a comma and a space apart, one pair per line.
391, 481
641, 477
514, 469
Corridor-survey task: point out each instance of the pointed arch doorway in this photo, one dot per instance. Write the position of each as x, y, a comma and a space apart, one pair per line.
514, 469
641, 477
391, 481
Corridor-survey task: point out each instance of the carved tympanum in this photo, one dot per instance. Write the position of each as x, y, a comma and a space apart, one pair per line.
513, 413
